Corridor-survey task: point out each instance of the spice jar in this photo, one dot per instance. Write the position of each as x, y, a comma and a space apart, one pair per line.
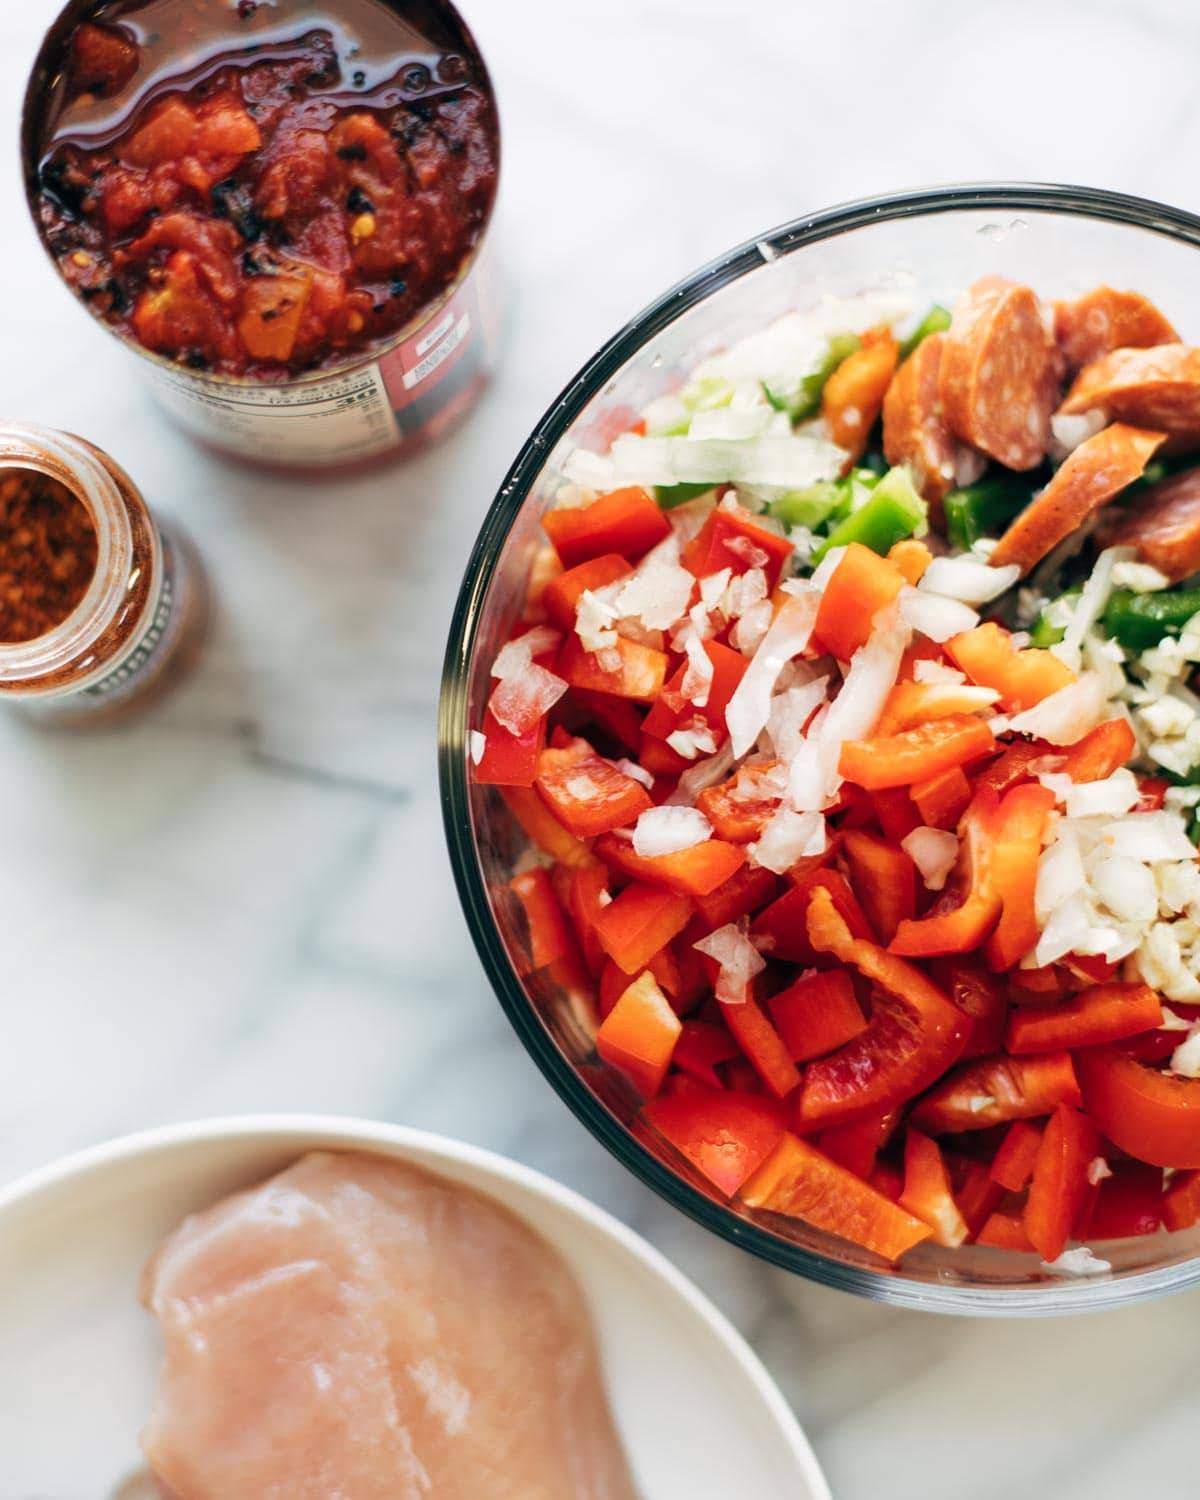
99, 604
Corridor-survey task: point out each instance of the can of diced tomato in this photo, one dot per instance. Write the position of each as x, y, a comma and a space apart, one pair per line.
281, 206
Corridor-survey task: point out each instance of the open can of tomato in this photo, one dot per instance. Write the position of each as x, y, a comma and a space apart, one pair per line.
281, 206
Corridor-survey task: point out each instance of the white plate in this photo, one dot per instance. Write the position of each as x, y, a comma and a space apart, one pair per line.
699, 1415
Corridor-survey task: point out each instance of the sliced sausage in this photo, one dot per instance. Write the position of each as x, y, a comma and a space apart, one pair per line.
1103, 320
913, 430
854, 393
1164, 526
1000, 373
1157, 388
1097, 470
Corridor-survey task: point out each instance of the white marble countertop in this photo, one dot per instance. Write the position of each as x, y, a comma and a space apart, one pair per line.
242, 901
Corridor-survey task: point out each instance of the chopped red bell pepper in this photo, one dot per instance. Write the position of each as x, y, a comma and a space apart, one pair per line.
961, 928
1005, 1231
784, 924
1106, 749
671, 709
996, 1090
1105, 1013
639, 1035
1012, 1166
980, 996
1019, 762
884, 880
912, 703
560, 597
801, 1182
549, 935
862, 584
731, 539
740, 808
895, 812
640, 674
640, 921
697, 871
1129, 1202
1060, 1180
927, 1194
657, 757
508, 759
618, 718
627, 522
1153, 793
1022, 678
976, 1194
542, 827
1153, 1116
1015, 833
916, 1032
1181, 1201
857, 1145
726, 1136
762, 1045
941, 800
747, 890
613, 984
817, 1014
915, 754
587, 794
1044, 983
587, 890
887, 1180
701, 1047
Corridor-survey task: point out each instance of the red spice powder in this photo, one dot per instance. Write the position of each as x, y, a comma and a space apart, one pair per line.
47, 553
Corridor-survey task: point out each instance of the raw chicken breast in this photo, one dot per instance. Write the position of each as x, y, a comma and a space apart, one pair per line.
355, 1329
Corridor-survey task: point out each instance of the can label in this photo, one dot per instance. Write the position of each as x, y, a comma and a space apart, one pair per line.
405, 397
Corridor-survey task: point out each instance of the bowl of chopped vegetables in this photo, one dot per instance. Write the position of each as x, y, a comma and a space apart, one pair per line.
820, 747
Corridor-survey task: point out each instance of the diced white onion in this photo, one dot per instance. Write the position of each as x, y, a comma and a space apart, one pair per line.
925, 670
1090, 605
1066, 716
738, 958
1069, 431
793, 461
751, 702
638, 773
668, 830
1185, 1060
787, 837
1079, 1261
967, 580
1149, 837
477, 745
703, 774
934, 616
934, 851
1114, 795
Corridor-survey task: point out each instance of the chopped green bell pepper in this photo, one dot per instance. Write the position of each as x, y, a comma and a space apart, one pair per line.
936, 320
810, 506
984, 508
671, 495
1141, 621
892, 511
805, 402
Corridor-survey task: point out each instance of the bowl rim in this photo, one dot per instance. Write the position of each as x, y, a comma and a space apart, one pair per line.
1041, 1299
345, 1132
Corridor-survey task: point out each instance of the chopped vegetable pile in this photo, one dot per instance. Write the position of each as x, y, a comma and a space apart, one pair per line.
852, 723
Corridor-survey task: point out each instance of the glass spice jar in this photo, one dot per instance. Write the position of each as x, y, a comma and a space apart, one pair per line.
101, 606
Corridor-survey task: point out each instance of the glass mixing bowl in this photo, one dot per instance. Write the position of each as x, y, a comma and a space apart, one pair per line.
929, 243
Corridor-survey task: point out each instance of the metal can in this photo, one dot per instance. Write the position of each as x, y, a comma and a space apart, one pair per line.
386, 398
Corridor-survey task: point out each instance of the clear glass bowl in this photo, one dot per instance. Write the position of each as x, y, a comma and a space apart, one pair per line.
930, 243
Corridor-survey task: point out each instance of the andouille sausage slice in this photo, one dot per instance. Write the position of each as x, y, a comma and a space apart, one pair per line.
913, 430
854, 393
1105, 319
1088, 478
1000, 373
1157, 388
1164, 526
